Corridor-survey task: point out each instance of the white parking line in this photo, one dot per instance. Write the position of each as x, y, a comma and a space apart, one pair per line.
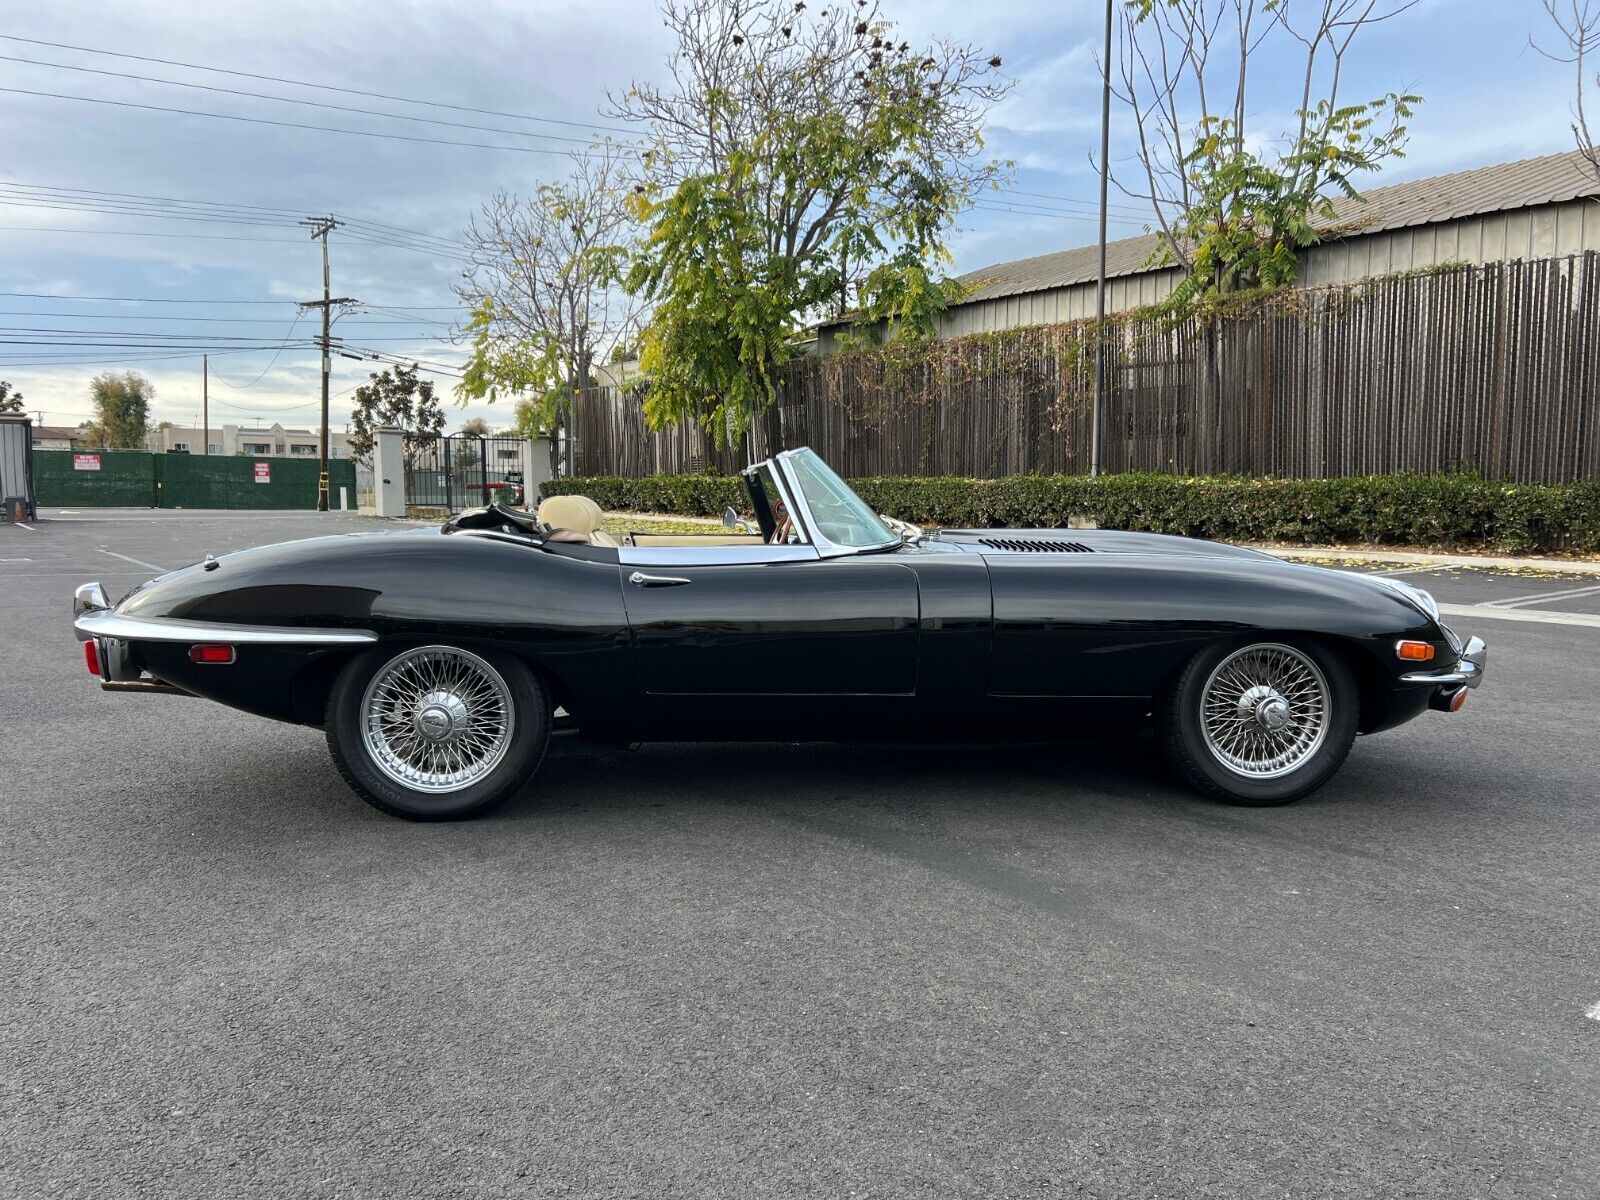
1541, 597
1534, 615
136, 561
1594, 1012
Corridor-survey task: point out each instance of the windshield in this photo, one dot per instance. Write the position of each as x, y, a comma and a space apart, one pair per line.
841, 516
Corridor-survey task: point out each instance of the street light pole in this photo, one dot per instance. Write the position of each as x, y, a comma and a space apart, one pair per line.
1100, 280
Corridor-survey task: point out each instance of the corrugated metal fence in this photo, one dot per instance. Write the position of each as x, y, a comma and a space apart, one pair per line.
1493, 369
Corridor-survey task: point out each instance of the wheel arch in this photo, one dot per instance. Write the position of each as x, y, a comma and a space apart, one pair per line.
1374, 685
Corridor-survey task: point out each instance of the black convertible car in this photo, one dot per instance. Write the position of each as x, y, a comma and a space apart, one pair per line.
436, 661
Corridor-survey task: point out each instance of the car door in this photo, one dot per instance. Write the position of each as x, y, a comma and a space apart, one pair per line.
771, 621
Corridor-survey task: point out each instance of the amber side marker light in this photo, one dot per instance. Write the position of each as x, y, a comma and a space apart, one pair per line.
211, 654
91, 657
1458, 700
1414, 651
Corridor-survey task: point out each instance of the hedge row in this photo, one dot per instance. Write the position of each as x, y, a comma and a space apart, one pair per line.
1412, 510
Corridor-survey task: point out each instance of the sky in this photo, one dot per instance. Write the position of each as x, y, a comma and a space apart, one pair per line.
68, 159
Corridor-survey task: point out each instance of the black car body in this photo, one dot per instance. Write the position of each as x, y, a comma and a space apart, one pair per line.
813, 623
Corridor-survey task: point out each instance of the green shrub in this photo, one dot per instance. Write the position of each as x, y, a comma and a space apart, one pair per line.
1410, 510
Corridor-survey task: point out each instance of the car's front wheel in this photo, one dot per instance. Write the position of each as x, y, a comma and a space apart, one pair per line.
1262, 722
438, 731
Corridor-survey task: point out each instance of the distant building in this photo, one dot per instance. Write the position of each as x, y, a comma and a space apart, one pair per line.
55, 437
274, 441
1536, 208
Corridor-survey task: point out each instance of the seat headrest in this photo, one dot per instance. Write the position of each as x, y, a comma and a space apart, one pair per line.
577, 513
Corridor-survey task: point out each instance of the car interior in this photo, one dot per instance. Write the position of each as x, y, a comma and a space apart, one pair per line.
575, 520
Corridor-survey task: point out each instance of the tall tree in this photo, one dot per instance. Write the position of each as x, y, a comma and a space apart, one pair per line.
10, 401
543, 286
1235, 204
802, 163
121, 410
395, 399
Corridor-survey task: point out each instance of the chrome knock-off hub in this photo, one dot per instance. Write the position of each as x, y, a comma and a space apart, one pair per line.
1266, 706
441, 716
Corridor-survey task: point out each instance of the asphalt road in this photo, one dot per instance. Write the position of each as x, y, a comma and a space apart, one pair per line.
707, 971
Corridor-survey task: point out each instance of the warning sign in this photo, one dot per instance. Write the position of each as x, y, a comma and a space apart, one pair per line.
263, 472
85, 462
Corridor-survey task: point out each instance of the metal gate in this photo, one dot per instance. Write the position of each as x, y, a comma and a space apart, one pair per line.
16, 464
464, 471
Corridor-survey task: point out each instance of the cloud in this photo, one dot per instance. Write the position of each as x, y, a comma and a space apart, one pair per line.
556, 60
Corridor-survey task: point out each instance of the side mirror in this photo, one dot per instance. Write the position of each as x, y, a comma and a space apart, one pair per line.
730, 519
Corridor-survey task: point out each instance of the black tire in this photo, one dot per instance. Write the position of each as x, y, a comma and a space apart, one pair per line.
519, 754
1199, 760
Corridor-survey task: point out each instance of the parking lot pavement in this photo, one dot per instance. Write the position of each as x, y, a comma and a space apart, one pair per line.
786, 970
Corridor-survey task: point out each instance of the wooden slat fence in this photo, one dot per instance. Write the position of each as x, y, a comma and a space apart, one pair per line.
1493, 369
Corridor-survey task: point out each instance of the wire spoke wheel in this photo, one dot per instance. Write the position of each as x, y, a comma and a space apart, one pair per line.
437, 719
1265, 710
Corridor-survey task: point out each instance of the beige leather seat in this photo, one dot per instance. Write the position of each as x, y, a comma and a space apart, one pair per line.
579, 514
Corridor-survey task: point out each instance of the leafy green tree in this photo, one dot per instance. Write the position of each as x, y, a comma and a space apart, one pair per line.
121, 411
1234, 204
10, 401
395, 399
803, 164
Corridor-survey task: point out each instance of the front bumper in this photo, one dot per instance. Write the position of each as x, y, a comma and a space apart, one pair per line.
1450, 685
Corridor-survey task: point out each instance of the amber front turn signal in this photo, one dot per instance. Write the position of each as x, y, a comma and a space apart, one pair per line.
1414, 651
1458, 700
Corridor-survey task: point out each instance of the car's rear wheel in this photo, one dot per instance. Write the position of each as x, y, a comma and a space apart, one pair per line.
437, 731
1259, 722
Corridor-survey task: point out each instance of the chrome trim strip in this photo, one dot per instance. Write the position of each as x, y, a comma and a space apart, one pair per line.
713, 556
162, 629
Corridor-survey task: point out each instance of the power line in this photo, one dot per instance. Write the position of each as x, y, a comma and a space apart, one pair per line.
272, 362
324, 87
178, 300
39, 194
18, 312
204, 237
140, 333
369, 133
368, 112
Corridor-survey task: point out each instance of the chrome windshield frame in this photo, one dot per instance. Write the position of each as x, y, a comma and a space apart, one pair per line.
796, 498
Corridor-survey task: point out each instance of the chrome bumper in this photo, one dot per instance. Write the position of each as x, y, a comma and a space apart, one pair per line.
94, 619
1468, 672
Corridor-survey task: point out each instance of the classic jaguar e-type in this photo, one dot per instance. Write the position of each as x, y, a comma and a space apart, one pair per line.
439, 662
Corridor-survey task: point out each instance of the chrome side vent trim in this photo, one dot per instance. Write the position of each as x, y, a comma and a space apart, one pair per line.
1035, 545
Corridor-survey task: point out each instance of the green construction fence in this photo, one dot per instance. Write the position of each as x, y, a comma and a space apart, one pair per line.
137, 479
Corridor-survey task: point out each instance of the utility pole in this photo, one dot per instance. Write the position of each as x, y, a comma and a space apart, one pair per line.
1100, 281
320, 228
205, 404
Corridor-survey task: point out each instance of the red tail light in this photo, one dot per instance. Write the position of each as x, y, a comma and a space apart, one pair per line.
91, 657
211, 654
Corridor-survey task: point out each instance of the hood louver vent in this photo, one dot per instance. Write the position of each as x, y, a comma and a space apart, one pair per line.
1035, 545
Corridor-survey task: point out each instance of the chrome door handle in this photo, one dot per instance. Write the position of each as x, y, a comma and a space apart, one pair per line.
640, 579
